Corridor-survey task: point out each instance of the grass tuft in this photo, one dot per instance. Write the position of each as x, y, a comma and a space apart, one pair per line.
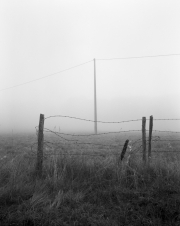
83, 190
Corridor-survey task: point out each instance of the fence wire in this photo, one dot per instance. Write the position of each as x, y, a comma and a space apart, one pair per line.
88, 135
133, 144
76, 141
166, 131
89, 120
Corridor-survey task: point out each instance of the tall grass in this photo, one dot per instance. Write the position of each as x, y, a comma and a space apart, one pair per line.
88, 190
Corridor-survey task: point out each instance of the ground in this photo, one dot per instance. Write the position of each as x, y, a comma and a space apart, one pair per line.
84, 184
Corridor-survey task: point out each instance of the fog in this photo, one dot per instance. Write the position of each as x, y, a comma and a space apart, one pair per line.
40, 38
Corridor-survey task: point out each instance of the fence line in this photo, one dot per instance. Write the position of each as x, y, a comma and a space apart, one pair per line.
171, 119
167, 140
144, 141
131, 144
136, 141
88, 135
162, 131
99, 134
88, 120
155, 139
102, 154
78, 140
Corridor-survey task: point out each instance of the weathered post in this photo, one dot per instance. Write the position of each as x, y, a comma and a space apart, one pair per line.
120, 158
150, 137
124, 149
39, 164
144, 138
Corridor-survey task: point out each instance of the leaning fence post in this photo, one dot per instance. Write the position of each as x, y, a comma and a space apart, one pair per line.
124, 150
144, 138
39, 164
150, 137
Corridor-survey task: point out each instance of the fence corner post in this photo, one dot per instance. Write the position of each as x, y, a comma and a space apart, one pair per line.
39, 164
144, 138
150, 137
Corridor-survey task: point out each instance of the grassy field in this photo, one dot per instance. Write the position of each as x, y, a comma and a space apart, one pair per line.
87, 184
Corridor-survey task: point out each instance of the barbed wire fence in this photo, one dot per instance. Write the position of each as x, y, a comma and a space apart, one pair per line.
67, 140
84, 144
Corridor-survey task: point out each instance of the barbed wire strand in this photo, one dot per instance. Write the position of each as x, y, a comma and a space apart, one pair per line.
157, 138
89, 120
167, 119
166, 151
164, 131
153, 140
114, 146
63, 116
87, 154
77, 141
95, 144
101, 154
86, 135
168, 140
56, 133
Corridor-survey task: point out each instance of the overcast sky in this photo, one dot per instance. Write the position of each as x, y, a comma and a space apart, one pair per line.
39, 38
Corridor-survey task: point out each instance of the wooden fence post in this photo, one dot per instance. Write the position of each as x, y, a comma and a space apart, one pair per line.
150, 137
39, 164
124, 149
144, 138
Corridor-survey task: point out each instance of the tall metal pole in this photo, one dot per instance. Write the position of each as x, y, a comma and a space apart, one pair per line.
95, 103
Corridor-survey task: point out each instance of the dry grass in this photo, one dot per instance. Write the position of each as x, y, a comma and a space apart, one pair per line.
89, 190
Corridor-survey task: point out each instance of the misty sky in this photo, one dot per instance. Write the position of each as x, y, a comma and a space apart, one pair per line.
39, 38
